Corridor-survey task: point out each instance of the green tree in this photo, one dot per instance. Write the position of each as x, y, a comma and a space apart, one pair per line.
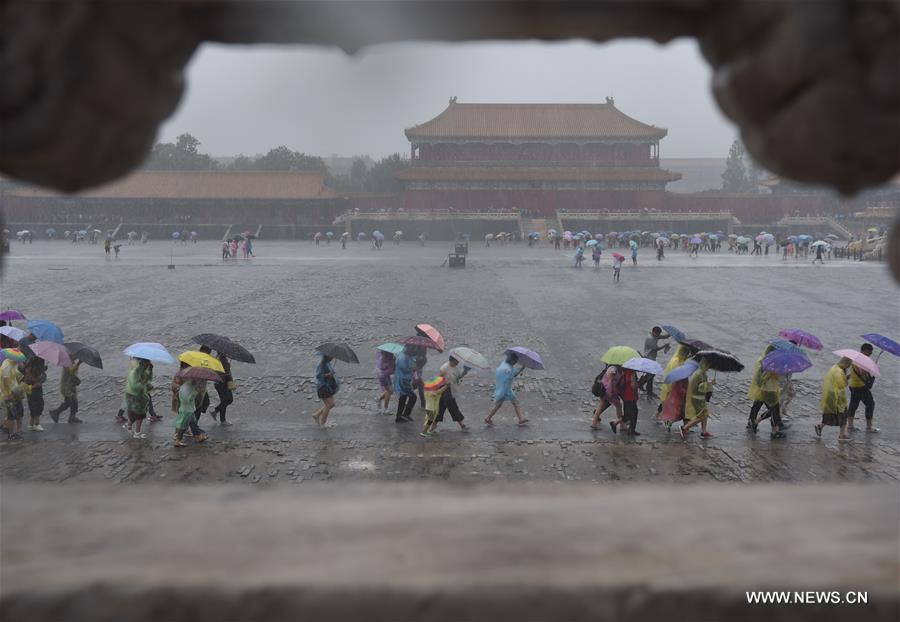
381, 177
734, 179
282, 158
358, 172
182, 155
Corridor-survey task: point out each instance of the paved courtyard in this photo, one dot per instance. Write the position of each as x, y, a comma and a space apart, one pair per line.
293, 296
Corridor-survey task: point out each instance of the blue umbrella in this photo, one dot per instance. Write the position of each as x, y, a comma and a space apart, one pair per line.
784, 362
673, 332
886, 344
176, 235
45, 330
592, 243
151, 351
643, 365
785, 345
680, 373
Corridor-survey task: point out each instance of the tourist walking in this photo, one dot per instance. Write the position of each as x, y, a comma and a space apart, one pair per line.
617, 266
596, 254
630, 394
765, 389
226, 253
651, 351
68, 389
35, 377
225, 390
12, 391
696, 404
327, 385
191, 422
679, 357
503, 391
186, 396
404, 386
579, 256
608, 387
453, 374
861, 383
834, 399
385, 364
137, 397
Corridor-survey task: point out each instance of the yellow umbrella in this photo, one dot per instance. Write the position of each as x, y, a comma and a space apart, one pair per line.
195, 358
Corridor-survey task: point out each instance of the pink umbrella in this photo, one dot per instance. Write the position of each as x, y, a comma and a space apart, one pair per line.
427, 330
51, 352
419, 340
860, 360
619, 256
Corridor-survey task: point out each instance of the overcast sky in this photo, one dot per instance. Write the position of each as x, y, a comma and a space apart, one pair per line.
322, 101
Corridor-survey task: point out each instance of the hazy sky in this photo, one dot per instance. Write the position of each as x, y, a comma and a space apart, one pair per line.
322, 101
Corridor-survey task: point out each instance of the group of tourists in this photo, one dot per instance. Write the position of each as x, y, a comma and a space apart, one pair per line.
685, 397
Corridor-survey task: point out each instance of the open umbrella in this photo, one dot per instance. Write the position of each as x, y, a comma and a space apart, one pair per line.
51, 352
886, 344
782, 344
647, 366
527, 358
13, 354
860, 360
195, 358
682, 372
338, 350
150, 351
801, 338
16, 334
720, 360
469, 357
391, 348
420, 341
224, 345
818, 243
10, 315
695, 344
784, 362
45, 330
592, 243
198, 373
427, 330
84, 353
619, 355
673, 332
619, 256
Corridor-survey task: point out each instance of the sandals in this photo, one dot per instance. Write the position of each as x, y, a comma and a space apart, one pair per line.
683, 433
614, 425
819, 430
706, 435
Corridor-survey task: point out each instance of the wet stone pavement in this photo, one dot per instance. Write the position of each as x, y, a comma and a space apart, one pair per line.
293, 296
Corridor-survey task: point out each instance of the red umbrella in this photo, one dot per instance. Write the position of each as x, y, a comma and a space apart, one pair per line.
420, 341
427, 330
618, 256
199, 373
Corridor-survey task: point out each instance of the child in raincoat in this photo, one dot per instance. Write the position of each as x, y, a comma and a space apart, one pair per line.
12, 391
434, 390
834, 399
765, 389
696, 407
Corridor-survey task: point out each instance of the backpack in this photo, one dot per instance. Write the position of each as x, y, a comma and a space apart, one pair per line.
597, 388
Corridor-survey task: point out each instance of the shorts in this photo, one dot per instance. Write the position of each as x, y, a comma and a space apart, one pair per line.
132, 417
14, 409
838, 419
385, 383
324, 393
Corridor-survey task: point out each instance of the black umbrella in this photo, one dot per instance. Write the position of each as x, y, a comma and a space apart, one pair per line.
224, 345
720, 360
695, 344
338, 350
84, 353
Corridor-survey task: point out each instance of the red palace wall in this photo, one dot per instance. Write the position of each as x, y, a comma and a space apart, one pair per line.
545, 202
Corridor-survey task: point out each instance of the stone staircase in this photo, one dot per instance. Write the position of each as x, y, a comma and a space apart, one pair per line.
535, 224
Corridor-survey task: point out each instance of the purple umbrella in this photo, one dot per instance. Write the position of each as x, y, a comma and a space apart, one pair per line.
885, 344
696, 240
680, 373
527, 358
8, 316
784, 362
801, 338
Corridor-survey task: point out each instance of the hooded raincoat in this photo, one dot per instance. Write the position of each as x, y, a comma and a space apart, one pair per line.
504, 375
678, 359
764, 386
834, 393
187, 395
403, 374
695, 404
136, 395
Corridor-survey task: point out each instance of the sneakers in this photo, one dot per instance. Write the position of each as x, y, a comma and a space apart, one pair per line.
37, 428
225, 423
706, 435
179, 443
200, 438
31, 428
74, 419
873, 430
138, 435
425, 434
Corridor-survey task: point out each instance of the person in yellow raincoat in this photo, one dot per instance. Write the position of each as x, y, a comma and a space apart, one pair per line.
696, 408
12, 392
765, 389
433, 392
834, 399
679, 358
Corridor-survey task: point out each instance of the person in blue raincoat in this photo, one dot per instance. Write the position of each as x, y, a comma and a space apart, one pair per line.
404, 387
327, 384
503, 391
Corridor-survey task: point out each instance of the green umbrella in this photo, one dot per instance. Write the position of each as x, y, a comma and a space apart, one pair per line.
619, 355
392, 348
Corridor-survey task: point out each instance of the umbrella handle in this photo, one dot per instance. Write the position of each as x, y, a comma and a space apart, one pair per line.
880, 352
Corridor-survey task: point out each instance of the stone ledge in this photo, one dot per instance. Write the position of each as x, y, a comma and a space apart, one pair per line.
438, 552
